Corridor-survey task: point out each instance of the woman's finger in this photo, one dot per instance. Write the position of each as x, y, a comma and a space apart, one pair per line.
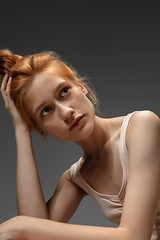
3, 87
8, 87
9, 102
4, 82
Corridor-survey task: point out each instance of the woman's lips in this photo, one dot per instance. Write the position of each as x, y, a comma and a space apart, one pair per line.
76, 122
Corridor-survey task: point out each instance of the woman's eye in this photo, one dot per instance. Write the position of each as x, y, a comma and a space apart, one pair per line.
64, 91
45, 111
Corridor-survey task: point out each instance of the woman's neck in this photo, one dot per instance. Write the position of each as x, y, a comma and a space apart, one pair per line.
94, 144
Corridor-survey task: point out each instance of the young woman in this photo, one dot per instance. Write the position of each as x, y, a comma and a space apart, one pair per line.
120, 167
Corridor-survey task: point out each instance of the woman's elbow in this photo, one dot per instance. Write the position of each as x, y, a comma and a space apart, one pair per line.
128, 234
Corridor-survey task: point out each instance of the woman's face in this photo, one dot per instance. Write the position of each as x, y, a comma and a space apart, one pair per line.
59, 107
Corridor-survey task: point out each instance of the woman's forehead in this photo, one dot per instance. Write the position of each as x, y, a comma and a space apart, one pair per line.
51, 76
42, 88
42, 81
47, 76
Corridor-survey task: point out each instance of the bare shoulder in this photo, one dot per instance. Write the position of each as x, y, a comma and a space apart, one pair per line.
145, 115
66, 177
144, 118
143, 126
66, 181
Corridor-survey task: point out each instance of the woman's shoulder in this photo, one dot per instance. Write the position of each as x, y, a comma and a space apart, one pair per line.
145, 114
142, 124
140, 118
137, 122
136, 115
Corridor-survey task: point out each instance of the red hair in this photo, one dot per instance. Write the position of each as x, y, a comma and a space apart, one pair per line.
23, 70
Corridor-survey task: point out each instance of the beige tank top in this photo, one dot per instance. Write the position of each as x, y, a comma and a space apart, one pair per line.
111, 205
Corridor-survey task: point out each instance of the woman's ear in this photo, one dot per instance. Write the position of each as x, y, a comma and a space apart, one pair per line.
44, 134
41, 131
82, 87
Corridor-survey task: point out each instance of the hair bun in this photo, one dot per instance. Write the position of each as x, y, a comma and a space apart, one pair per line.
7, 61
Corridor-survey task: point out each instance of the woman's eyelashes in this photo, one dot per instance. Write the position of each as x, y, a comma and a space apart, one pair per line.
64, 92
46, 111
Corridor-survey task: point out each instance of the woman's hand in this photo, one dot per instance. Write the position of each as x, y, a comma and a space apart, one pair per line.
10, 105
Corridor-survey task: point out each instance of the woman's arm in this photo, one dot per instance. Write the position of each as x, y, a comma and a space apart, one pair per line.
30, 200
143, 188
65, 200
30, 228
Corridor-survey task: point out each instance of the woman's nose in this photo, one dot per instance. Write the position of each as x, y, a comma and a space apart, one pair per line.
65, 111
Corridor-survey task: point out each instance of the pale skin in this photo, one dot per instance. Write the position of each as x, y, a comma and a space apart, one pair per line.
55, 104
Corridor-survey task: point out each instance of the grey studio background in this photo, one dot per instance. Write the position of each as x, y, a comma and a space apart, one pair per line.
115, 43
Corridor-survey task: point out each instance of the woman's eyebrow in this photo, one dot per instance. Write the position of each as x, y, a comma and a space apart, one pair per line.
43, 103
39, 107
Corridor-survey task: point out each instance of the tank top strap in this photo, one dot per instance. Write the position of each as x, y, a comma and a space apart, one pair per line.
77, 178
123, 152
74, 172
